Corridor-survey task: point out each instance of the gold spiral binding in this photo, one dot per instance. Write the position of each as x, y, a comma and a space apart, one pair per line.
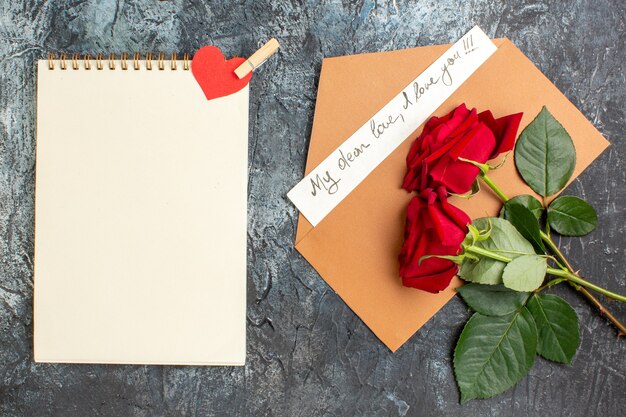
62, 62
99, 58
123, 60
173, 61
65, 59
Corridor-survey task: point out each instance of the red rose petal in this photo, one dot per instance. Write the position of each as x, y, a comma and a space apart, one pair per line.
436, 282
433, 227
458, 176
504, 129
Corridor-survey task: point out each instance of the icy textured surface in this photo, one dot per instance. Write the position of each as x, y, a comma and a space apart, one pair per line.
308, 354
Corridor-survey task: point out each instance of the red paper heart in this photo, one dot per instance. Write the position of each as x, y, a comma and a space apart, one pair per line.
215, 75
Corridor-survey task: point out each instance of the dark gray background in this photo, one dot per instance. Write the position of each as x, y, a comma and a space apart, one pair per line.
308, 354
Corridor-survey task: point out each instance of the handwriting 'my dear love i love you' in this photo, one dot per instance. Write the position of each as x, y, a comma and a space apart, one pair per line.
329, 182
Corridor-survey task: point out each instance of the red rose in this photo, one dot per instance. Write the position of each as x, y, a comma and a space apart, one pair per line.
433, 227
433, 159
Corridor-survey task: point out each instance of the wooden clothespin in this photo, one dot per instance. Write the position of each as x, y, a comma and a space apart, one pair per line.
257, 58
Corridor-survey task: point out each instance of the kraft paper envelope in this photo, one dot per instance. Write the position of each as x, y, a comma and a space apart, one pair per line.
355, 248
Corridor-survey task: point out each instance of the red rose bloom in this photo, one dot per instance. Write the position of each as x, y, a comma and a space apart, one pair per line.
433, 159
433, 227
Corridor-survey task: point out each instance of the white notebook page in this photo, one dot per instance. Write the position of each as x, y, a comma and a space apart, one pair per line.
140, 218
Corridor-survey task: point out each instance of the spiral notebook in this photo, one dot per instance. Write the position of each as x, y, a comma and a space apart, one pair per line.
140, 215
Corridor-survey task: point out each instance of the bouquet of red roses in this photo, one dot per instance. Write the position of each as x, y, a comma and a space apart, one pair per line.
508, 260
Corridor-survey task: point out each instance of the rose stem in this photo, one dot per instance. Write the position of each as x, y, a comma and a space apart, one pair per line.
592, 299
586, 293
494, 187
570, 276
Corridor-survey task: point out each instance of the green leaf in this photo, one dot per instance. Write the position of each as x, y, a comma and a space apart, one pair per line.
494, 353
572, 216
492, 300
525, 273
557, 326
505, 239
528, 201
526, 223
545, 155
